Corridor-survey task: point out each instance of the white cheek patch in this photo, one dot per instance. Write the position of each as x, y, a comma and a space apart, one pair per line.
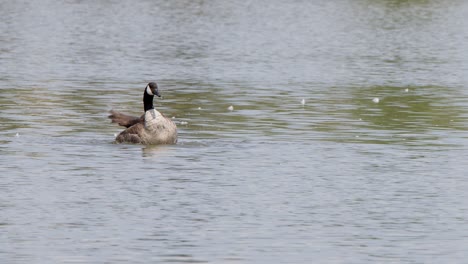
148, 90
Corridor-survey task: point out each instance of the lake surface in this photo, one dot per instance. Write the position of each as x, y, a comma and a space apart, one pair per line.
347, 142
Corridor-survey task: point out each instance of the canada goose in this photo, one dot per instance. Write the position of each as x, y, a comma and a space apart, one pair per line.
151, 128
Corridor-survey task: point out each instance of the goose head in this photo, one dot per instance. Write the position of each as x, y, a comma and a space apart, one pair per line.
150, 91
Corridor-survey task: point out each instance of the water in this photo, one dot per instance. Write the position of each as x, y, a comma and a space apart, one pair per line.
307, 167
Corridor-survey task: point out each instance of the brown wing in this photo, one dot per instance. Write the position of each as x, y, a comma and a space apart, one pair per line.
125, 120
131, 134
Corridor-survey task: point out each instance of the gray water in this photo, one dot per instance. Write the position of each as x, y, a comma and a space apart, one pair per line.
338, 179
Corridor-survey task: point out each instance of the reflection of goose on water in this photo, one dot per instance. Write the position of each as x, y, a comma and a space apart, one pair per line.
151, 128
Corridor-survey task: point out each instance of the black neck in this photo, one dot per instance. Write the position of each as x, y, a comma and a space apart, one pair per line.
148, 101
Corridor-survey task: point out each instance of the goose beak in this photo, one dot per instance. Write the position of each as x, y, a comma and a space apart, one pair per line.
153, 91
